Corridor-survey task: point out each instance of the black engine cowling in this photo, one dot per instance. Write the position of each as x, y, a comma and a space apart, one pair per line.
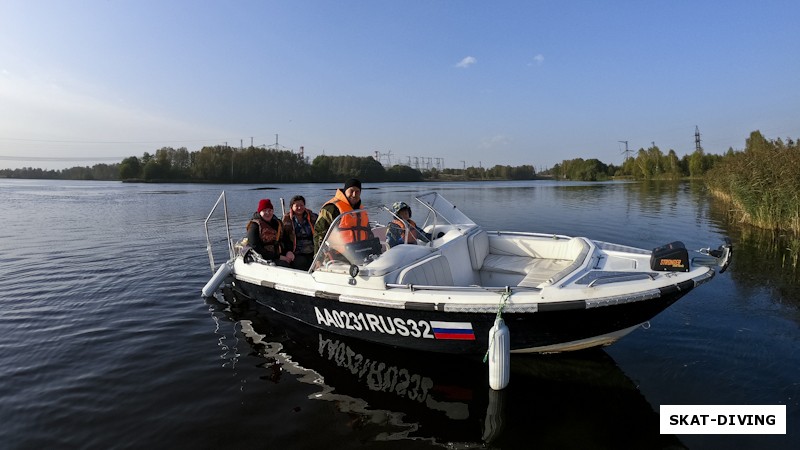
672, 257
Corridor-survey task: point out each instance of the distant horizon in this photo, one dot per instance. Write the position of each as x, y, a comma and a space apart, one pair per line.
486, 166
113, 160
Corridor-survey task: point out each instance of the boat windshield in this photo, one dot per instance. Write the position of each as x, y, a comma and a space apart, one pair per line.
441, 212
360, 237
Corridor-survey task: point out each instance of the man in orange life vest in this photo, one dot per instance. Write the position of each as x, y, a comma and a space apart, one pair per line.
353, 227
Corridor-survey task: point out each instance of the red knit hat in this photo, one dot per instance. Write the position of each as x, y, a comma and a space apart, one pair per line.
263, 204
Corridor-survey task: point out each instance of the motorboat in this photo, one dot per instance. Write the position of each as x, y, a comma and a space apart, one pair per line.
554, 293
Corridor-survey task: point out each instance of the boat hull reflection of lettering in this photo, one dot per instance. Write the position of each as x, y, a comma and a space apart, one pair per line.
407, 395
555, 293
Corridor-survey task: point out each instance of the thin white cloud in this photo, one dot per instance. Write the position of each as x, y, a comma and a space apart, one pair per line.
493, 142
538, 60
466, 62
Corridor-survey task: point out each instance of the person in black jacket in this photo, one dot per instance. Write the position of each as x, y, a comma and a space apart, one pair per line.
266, 236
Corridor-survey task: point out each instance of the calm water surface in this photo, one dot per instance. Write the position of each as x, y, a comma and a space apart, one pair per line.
108, 344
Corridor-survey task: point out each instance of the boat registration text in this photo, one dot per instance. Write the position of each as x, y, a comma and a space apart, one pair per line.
423, 329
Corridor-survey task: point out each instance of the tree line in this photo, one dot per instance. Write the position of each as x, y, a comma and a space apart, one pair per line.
96, 172
648, 164
257, 164
225, 164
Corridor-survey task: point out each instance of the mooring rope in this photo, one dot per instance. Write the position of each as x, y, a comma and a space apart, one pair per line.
504, 297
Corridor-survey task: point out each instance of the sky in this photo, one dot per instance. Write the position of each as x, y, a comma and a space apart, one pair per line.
470, 83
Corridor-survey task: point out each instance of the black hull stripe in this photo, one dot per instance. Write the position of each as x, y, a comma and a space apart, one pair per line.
421, 306
684, 287
562, 306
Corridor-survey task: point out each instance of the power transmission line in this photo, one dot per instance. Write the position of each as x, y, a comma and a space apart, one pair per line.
697, 147
626, 151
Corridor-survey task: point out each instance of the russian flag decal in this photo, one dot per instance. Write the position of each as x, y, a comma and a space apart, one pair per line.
453, 330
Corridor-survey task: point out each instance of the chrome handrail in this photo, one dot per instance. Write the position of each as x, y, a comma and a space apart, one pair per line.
227, 229
618, 278
427, 287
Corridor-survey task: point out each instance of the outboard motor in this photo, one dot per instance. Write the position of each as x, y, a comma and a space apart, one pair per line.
672, 257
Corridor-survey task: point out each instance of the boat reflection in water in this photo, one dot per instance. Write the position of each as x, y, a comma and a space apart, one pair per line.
575, 400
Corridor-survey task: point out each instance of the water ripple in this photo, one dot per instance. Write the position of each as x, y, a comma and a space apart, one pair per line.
107, 343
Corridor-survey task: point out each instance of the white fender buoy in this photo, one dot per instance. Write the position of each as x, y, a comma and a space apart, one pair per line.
499, 355
213, 284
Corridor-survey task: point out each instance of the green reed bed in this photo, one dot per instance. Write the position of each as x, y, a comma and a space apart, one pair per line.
762, 183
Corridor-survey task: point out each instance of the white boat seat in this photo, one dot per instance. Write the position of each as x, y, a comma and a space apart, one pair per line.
521, 261
478, 246
507, 264
504, 270
538, 248
433, 271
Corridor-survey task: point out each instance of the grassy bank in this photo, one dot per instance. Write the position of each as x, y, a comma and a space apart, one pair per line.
762, 183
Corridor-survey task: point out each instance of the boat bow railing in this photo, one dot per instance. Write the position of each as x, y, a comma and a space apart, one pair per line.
209, 248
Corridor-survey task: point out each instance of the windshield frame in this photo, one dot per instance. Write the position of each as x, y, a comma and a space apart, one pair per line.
442, 212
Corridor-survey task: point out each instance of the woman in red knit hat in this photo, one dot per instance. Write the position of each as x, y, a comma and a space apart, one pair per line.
266, 236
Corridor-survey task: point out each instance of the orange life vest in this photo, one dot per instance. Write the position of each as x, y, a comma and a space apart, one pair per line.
352, 227
412, 235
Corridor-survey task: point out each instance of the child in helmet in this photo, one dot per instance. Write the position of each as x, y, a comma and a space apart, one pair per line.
396, 232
